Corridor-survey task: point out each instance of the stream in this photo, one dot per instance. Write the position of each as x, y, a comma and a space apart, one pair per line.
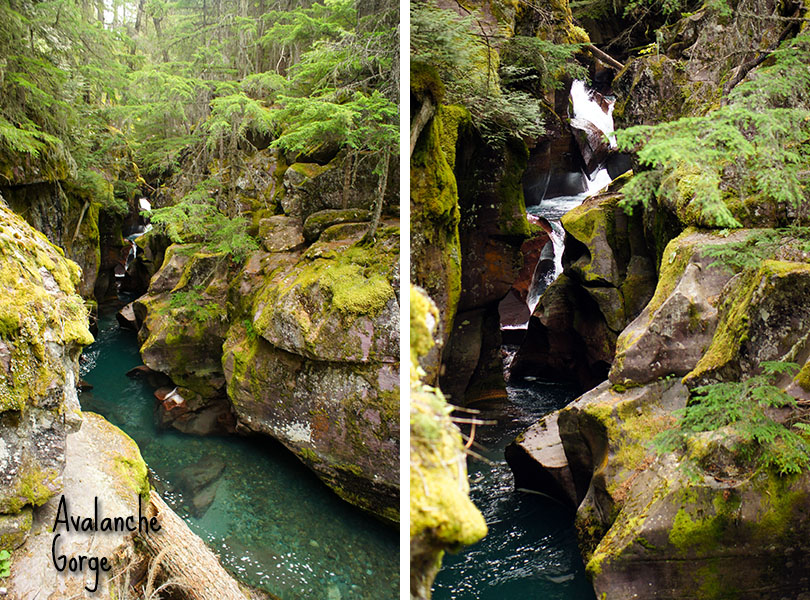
531, 549
273, 523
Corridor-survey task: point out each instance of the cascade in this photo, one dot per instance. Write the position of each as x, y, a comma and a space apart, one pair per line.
597, 111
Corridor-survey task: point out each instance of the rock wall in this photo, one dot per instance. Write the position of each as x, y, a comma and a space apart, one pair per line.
723, 306
609, 274
43, 325
311, 358
442, 517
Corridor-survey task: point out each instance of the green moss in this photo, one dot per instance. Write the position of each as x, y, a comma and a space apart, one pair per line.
803, 377
309, 170
435, 215
440, 507
425, 80
422, 309
676, 257
511, 202
357, 279
733, 329
452, 118
699, 529
32, 305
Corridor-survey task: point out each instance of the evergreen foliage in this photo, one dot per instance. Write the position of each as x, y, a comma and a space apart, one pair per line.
754, 148
468, 65
158, 86
742, 411
196, 218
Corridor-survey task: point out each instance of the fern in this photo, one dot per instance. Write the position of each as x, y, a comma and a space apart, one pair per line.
740, 410
754, 148
197, 219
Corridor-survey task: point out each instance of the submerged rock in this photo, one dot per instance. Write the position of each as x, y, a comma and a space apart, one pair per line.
199, 483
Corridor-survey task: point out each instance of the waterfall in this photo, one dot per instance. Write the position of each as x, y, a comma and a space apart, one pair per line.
585, 107
597, 110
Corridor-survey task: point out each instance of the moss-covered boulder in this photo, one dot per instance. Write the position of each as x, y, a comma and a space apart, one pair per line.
674, 329
766, 318
336, 304
442, 517
608, 254
649, 528
318, 222
347, 181
183, 329
43, 325
280, 233
311, 358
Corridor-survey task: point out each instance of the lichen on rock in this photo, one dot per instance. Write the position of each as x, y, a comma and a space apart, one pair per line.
43, 325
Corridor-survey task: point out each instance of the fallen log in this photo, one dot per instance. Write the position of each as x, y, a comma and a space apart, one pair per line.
186, 559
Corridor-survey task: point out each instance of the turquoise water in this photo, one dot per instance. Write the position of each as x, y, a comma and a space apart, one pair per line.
273, 523
531, 550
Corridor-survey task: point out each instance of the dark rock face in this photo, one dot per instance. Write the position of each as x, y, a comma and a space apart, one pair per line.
592, 144
608, 277
435, 251
492, 230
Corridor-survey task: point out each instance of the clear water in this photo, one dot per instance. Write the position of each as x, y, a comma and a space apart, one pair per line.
531, 550
273, 523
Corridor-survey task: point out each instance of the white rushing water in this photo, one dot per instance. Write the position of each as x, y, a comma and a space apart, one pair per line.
589, 108
585, 107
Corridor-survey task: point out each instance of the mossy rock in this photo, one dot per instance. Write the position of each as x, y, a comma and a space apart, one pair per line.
14, 529
317, 222
185, 319
337, 306
673, 331
442, 516
340, 418
435, 243
766, 319
426, 337
43, 325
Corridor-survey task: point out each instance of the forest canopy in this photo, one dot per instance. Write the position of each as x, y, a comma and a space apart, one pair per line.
155, 86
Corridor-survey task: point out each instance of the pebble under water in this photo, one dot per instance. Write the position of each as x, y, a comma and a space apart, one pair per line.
273, 523
531, 550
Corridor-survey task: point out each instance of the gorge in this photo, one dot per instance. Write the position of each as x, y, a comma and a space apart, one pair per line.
674, 317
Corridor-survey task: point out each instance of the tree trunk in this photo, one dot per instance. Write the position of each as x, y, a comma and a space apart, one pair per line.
139, 16
426, 112
162, 42
381, 187
187, 559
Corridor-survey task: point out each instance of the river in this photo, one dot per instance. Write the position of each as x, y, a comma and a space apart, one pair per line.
273, 523
531, 549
